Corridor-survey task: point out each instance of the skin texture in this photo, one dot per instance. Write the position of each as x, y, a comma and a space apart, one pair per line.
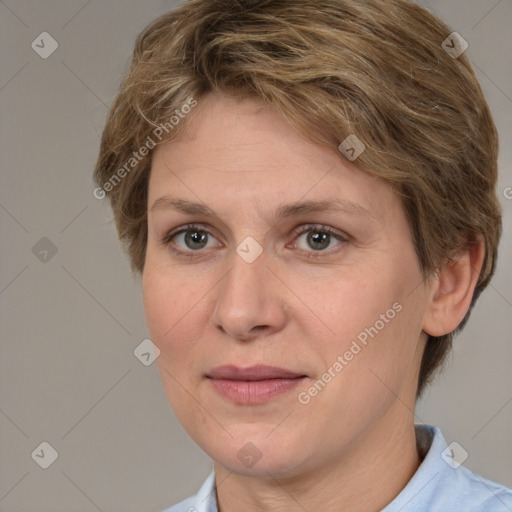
292, 311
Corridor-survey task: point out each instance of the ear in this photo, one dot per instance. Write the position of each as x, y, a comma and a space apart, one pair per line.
452, 290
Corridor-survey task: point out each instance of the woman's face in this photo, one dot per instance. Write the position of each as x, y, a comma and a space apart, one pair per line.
258, 281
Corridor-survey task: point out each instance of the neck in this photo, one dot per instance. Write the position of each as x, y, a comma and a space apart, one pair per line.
364, 479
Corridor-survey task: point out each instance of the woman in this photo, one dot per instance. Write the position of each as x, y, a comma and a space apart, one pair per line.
307, 190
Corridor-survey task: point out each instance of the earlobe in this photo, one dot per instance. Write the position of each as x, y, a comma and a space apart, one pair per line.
452, 290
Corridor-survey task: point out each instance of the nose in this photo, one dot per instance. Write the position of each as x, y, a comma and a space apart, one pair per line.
250, 300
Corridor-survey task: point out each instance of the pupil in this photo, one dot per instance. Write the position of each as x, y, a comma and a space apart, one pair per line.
319, 238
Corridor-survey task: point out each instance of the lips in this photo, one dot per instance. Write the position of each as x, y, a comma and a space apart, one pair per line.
252, 386
258, 372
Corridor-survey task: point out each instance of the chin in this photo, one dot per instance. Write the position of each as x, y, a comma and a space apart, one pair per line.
276, 466
252, 452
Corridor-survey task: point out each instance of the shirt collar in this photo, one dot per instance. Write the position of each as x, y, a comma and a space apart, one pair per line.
430, 443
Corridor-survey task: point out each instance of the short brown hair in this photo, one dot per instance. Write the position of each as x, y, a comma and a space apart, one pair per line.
332, 68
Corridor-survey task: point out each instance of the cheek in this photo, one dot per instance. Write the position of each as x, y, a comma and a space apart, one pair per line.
171, 312
354, 304
172, 319
377, 324
364, 378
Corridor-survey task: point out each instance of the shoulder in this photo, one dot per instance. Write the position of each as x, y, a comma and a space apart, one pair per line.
203, 501
183, 506
441, 484
476, 492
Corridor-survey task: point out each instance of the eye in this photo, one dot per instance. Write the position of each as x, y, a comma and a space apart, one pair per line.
189, 239
319, 238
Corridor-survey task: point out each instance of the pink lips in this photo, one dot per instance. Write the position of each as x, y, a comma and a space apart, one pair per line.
254, 385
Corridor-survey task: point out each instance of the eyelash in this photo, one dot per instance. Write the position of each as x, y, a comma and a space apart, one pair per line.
319, 228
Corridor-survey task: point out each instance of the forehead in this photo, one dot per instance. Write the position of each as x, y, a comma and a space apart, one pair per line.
237, 149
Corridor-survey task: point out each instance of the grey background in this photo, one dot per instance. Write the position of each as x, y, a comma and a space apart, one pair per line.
69, 325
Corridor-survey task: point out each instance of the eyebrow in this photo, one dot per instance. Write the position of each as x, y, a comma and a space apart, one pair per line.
284, 211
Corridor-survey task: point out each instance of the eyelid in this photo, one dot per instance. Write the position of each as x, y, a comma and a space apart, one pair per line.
304, 228
186, 227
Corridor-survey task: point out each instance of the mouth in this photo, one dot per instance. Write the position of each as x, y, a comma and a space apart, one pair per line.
253, 385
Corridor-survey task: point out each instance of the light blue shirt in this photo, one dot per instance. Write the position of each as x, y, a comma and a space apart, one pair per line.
439, 485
